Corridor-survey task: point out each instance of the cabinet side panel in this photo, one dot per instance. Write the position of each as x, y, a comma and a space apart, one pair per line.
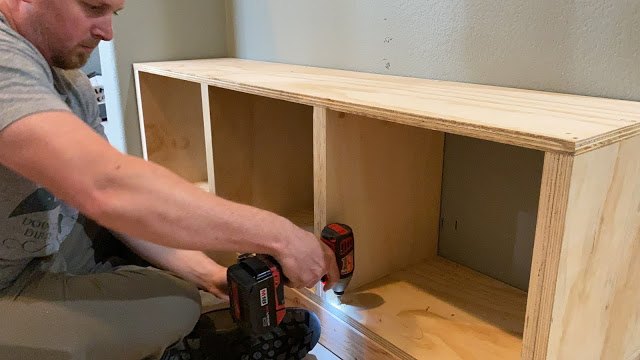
384, 180
143, 140
554, 194
596, 312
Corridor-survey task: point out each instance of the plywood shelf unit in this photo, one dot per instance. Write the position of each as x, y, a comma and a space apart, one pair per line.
321, 145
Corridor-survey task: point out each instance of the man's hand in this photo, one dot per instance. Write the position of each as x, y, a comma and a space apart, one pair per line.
305, 259
217, 284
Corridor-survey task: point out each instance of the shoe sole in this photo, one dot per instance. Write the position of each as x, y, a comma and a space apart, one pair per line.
291, 340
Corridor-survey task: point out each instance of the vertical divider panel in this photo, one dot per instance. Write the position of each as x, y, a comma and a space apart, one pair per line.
384, 180
227, 258
319, 176
208, 141
320, 168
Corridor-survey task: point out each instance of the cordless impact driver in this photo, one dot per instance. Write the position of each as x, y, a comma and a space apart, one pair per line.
256, 282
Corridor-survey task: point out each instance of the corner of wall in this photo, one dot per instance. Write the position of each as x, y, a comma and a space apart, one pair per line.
230, 29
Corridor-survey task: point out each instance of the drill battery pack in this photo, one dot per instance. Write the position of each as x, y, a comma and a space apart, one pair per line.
256, 293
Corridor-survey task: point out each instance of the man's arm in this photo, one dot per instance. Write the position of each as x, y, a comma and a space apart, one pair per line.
146, 201
191, 265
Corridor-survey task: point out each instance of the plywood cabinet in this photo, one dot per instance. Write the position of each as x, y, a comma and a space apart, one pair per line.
321, 145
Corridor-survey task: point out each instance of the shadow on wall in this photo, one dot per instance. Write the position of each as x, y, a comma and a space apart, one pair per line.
588, 48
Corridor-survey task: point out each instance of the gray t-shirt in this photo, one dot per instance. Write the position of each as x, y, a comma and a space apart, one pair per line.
33, 222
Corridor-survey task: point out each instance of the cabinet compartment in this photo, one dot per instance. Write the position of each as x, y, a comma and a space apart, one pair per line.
437, 309
490, 197
263, 153
385, 180
172, 125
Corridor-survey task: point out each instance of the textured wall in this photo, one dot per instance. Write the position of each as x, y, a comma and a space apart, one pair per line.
579, 46
155, 30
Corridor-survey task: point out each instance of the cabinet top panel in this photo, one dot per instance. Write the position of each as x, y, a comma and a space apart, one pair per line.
533, 119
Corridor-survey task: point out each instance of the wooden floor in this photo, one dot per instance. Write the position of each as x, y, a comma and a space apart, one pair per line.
321, 353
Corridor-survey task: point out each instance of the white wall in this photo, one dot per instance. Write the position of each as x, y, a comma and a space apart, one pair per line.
576, 46
154, 30
93, 64
587, 47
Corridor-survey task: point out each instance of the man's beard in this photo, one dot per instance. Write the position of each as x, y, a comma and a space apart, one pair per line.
72, 60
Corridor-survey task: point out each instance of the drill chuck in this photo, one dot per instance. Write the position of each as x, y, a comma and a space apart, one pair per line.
340, 286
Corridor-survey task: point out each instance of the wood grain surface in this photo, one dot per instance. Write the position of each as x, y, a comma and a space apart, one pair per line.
533, 119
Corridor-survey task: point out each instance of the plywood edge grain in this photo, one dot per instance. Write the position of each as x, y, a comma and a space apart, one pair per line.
320, 168
208, 140
554, 198
342, 335
143, 136
601, 141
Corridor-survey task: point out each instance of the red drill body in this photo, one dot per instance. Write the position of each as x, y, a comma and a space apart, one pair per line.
339, 237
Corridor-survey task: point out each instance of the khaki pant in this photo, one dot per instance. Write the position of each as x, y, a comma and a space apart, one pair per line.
93, 310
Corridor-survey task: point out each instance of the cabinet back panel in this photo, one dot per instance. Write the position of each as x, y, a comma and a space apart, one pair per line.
490, 197
173, 125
